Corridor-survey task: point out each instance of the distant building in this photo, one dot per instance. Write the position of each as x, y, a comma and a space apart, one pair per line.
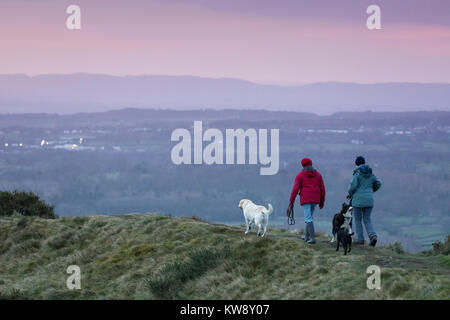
355, 141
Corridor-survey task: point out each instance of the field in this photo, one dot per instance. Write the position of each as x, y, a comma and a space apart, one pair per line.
148, 256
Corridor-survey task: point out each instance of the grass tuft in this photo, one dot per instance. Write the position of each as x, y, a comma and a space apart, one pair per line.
171, 279
396, 247
14, 295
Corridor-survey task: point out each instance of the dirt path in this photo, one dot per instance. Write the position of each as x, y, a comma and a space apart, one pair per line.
379, 256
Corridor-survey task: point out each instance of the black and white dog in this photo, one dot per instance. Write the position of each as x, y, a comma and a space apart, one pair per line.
344, 238
343, 220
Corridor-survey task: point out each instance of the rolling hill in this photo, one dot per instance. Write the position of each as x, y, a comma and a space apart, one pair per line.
147, 256
72, 93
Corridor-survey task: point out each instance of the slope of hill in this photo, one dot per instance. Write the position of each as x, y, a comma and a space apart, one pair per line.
148, 256
71, 93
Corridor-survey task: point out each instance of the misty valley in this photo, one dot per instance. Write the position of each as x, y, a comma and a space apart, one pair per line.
249, 144
120, 162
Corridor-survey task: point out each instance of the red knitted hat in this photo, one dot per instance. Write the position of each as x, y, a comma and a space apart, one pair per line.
306, 162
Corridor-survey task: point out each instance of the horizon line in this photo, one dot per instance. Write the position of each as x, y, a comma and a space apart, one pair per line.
214, 110
266, 83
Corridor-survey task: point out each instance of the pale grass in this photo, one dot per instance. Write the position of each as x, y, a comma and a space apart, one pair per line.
119, 254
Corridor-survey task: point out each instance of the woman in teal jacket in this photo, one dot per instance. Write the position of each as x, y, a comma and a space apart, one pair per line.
362, 186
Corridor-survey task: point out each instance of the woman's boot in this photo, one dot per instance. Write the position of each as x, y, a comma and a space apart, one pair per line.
310, 228
306, 235
373, 241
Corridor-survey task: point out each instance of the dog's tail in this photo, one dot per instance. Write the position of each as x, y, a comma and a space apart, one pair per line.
268, 211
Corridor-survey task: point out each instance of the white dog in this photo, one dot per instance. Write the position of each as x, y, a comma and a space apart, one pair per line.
258, 215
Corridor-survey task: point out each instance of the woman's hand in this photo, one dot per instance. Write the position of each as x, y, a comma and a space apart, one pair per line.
291, 205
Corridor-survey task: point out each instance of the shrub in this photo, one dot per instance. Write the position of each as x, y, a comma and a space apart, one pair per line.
439, 247
25, 203
442, 247
396, 247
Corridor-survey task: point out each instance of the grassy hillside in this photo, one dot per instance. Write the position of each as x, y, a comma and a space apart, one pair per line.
149, 256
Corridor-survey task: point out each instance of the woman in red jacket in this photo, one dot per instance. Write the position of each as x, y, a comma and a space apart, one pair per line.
309, 184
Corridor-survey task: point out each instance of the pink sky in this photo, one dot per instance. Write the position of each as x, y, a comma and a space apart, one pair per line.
290, 44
